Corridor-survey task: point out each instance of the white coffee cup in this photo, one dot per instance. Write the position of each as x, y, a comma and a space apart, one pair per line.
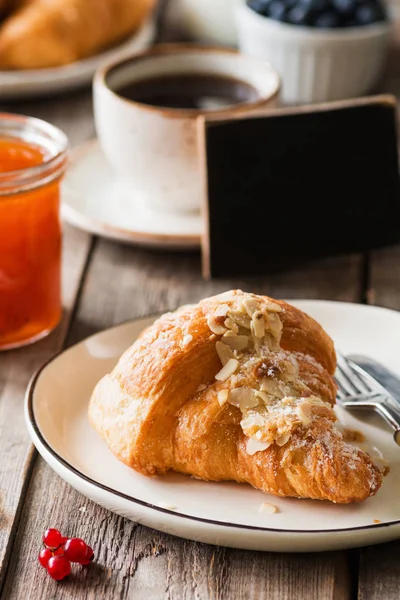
154, 150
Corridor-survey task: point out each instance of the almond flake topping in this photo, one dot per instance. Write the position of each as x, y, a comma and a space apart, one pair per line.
243, 320
230, 324
283, 439
222, 397
236, 342
215, 326
251, 305
227, 370
258, 324
253, 446
224, 352
264, 381
243, 397
268, 508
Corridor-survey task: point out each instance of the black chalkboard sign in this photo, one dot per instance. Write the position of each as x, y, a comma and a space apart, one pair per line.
299, 183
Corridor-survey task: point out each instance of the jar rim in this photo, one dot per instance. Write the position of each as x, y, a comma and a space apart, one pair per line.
39, 133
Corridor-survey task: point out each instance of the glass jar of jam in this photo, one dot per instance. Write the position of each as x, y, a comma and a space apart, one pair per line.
33, 157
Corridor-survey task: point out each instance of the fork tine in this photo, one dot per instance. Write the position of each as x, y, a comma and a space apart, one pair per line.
346, 388
354, 378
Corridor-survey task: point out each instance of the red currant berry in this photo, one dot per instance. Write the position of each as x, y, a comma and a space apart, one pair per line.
58, 567
75, 550
59, 551
52, 538
88, 558
44, 556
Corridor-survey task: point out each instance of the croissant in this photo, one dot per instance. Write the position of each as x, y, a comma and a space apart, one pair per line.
49, 33
239, 387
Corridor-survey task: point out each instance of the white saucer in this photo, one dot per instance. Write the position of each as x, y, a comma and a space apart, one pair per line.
15, 85
216, 513
94, 200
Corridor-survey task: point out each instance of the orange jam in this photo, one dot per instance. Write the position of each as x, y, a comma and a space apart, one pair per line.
30, 245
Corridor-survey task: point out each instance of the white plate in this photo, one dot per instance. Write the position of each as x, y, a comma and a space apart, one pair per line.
94, 200
216, 513
15, 85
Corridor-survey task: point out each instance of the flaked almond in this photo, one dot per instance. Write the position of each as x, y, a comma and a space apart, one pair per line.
263, 396
253, 446
187, 339
272, 387
230, 324
227, 370
224, 352
201, 387
243, 320
222, 397
226, 296
236, 342
251, 420
268, 508
230, 333
275, 326
273, 307
243, 398
257, 342
251, 305
303, 411
258, 324
283, 439
215, 327
222, 310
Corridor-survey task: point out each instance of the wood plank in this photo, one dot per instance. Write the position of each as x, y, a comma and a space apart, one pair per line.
379, 574
134, 561
384, 278
72, 113
16, 368
137, 562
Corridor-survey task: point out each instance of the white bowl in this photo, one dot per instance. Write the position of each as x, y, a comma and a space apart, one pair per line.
315, 65
208, 21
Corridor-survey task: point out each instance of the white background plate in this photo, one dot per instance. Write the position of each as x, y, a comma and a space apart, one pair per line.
217, 513
15, 85
94, 200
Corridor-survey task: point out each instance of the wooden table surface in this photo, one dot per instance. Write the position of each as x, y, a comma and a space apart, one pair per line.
133, 561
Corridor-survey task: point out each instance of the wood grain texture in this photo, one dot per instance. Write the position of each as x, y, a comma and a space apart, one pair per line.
133, 561
136, 562
379, 573
72, 113
16, 368
384, 278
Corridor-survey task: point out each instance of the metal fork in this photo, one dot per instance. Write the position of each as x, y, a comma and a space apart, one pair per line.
358, 390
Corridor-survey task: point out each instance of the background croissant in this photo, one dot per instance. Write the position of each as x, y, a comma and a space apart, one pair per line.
49, 33
238, 388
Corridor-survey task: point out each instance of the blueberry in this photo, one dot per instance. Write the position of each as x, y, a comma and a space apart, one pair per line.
327, 20
316, 6
299, 15
259, 6
344, 6
368, 13
350, 23
277, 10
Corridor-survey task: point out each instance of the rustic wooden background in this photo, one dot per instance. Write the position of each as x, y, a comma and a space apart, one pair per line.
131, 560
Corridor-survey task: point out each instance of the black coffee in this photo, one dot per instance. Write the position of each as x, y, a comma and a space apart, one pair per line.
206, 92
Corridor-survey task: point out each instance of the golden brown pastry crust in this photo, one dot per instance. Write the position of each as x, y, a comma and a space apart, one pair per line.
161, 408
51, 33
